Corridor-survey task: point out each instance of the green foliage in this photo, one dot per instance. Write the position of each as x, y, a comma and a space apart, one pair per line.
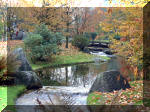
87, 35
42, 44
48, 36
59, 38
93, 35
80, 41
117, 37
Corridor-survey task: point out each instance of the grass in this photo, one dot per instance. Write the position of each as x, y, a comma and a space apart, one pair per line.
68, 56
13, 93
134, 96
65, 60
105, 57
3, 97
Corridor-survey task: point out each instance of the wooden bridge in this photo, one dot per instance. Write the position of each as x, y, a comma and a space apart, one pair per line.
98, 46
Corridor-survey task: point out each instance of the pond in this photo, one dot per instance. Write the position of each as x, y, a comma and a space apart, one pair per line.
69, 85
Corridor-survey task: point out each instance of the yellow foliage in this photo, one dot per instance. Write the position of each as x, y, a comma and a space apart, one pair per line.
41, 3
129, 3
131, 29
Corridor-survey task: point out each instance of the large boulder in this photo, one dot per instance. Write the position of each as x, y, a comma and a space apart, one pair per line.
29, 79
25, 66
109, 81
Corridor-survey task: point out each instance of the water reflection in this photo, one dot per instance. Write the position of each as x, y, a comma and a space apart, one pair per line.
76, 75
81, 74
69, 85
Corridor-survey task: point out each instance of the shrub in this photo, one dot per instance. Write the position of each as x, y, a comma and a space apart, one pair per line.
2, 65
87, 35
80, 41
48, 36
117, 37
93, 35
12, 63
8, 65
42, 43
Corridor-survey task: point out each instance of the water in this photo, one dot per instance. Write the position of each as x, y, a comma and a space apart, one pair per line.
81, 75
63, 84
67, 85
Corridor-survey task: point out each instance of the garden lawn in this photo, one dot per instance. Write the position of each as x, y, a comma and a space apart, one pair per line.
65, 60
13, 93
3, 98
134, 96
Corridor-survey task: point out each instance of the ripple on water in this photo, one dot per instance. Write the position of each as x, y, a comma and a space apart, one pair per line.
50, 95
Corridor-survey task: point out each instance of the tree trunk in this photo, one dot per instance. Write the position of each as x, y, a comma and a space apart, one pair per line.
67, 37
67, 41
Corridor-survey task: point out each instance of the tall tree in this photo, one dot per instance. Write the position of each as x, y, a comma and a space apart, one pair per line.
126, 22
51, 17
67, 18
22, 17
3, 20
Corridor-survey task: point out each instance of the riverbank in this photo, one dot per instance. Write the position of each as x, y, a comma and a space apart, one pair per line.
66, 60
13, 93
133, 96
60, 60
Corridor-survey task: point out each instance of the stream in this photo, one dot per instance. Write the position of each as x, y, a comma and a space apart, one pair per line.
67, 85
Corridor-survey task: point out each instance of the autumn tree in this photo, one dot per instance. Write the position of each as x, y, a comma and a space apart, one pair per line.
51, 17
77, 15
126, 22
88, 20
67, 14
22, 17
57, 19
3, 20
84, 20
